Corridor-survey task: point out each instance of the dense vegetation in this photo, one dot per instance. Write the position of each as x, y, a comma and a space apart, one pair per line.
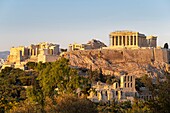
57, 88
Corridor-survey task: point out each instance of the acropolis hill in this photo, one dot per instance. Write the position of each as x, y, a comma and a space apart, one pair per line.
130, 52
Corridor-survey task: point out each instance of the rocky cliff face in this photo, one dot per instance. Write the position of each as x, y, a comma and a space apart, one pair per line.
135, 62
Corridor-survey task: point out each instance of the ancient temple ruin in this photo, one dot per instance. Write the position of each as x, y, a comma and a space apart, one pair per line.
42, 52
102, 92
130, 39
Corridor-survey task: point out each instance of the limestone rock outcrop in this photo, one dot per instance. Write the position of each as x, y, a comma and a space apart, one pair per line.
136, 62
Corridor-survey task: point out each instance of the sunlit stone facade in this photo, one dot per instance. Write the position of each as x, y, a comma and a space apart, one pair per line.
102, 92
75, 46
131, 39
42, 52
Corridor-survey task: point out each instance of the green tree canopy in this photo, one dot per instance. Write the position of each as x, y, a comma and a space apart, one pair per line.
59, 77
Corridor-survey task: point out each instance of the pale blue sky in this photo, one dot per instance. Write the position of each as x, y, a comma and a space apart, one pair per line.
23, 22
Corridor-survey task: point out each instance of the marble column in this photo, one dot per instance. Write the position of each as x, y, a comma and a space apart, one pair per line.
36, 51
111, 41
33, 52
137, 38
30, 52
129, 40
118, 40
125, 40
122, 41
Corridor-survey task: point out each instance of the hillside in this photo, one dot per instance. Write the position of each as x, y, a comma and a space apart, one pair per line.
136, 61
4, 54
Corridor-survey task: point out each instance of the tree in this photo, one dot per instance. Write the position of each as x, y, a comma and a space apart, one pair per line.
11, 90
72, 104
166, 46
31, 65
159, 103
59, 78
66, 103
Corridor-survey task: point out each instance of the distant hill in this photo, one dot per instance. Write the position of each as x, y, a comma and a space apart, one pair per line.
4, 54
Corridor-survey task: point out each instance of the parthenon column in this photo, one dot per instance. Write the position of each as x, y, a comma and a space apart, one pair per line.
125, 40
122, 41
111, 41
137, 41
129, 40
118, 40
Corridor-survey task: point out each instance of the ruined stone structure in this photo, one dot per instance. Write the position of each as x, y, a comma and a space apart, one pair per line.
145, 94
92, 44
124, 91
131, 39
42, 52
75, 46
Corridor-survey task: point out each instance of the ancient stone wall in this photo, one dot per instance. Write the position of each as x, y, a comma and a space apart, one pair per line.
47, 58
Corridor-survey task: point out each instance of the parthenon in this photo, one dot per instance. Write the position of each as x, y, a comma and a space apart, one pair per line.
131, 39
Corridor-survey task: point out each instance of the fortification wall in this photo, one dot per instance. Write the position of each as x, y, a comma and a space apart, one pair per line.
47, 58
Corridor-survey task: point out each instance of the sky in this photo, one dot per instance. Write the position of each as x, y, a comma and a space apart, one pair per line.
25, 22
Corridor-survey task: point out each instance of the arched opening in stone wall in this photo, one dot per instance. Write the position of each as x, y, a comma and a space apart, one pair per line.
116, 93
